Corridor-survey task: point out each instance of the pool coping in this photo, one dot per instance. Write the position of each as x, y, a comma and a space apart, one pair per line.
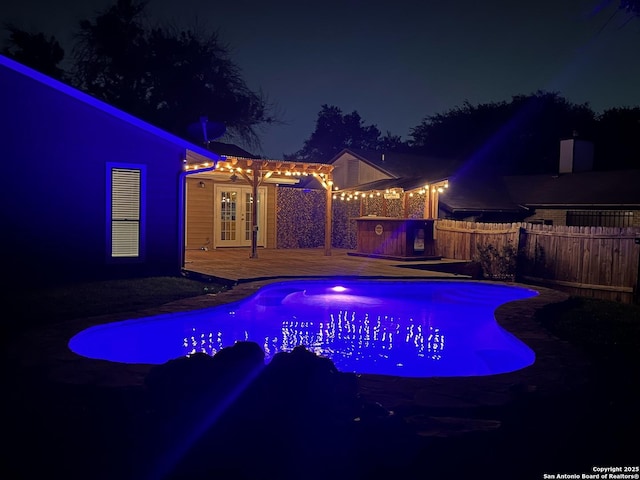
559, 367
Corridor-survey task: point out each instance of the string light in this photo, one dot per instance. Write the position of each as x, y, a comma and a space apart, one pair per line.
394, 192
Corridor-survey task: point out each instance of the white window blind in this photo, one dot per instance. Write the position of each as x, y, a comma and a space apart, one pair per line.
125, 212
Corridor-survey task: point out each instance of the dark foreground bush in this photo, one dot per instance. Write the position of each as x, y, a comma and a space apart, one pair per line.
231, 413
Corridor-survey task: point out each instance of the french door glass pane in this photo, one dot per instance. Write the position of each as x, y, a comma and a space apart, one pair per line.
248, 201
228, 206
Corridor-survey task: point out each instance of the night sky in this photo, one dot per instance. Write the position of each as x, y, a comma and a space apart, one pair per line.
395, 62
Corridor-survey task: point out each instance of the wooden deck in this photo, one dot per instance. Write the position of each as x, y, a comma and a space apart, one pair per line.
235, 265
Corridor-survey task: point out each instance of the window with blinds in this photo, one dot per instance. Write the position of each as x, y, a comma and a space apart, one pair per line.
125, 193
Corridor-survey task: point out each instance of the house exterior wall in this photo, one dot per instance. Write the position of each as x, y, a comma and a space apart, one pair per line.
54, 151
552, 216
200, 214
199, 217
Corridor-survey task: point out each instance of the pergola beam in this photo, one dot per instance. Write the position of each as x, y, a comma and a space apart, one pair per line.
278, 167
254, 171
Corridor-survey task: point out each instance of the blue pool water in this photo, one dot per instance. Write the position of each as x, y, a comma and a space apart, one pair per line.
411, 328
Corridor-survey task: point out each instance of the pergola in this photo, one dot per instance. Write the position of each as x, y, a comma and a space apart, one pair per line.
256, 171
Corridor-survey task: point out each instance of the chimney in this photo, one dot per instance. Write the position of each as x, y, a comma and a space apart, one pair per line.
576, 155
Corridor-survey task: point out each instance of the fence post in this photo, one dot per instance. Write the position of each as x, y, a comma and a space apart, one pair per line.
637, 285
472, 244
520, 257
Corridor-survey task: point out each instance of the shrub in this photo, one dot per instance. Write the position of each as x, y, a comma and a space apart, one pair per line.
497, 263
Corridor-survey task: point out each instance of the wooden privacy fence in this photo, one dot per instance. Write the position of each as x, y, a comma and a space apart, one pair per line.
460, 240
600, 262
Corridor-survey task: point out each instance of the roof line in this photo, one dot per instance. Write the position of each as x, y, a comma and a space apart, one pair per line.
103, 106
469, 209
363, 159
582, 205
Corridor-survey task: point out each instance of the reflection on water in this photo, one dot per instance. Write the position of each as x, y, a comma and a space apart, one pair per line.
344, 335
417, 328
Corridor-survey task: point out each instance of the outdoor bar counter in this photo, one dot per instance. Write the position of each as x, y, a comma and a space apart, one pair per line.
395, 238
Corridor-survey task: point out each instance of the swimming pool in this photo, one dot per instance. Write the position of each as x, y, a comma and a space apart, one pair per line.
417, 328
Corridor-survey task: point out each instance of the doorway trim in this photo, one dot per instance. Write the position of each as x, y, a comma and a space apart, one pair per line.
232, 223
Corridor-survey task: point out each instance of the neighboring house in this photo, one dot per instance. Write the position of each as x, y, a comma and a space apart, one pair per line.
87, 190
355, 168
399, 180
576, 195
479, 199
604, 199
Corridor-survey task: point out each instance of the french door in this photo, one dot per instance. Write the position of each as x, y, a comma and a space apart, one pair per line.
233, 214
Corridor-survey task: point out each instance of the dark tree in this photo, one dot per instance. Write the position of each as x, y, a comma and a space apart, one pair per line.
521, 136
617, 139
459, 131
334, 132
35, 50
193, 76
110, 56
167, 76
392, 143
